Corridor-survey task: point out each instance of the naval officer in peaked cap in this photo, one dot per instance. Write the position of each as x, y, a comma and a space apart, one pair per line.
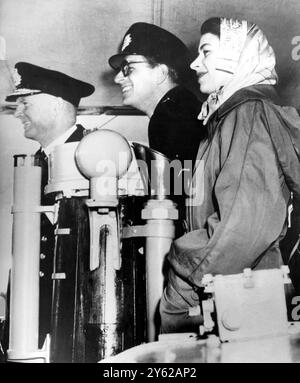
47, 102
152, 69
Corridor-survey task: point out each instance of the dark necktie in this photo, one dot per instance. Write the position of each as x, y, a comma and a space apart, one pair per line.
43, 161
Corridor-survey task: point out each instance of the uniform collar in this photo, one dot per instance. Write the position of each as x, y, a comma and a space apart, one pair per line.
59, 140
170, 95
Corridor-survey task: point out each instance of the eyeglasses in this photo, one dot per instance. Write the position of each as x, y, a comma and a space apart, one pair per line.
125, 66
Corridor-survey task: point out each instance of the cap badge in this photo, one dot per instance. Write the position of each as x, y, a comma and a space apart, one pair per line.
126, 42
16, 77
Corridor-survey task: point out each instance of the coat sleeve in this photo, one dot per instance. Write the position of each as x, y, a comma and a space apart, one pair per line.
249, 201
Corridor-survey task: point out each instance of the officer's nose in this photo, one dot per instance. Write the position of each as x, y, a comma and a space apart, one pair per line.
19, 111
119, 77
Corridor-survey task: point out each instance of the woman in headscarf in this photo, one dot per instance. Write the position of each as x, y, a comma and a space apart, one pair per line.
240, 216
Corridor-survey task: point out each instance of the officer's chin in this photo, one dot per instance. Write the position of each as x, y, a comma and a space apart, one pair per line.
28, 134
126, 101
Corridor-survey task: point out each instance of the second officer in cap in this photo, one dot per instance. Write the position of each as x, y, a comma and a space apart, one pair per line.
152, 66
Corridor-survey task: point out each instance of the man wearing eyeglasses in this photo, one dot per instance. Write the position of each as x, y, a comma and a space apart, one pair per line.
153, 66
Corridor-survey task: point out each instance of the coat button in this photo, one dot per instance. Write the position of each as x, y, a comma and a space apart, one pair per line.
44, 238
42, 256
41, 274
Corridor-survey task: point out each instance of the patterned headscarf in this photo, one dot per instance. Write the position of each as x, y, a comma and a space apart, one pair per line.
246, 53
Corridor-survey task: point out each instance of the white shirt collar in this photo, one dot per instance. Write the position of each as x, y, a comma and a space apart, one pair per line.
59, 140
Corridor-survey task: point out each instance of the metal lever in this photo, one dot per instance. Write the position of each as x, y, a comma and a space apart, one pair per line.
208, 322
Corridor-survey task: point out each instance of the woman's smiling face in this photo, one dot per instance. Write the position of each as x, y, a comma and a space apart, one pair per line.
210, 77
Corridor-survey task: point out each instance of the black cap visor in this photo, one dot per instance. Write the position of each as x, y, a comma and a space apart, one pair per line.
21, 93
116, 60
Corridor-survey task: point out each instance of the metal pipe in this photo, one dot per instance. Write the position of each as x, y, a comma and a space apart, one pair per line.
110, 258
156, 250
24, 306
160, 231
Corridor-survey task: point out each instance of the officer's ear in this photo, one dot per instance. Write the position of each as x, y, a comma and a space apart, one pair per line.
162, 73
64, 109
56, 105
59, 104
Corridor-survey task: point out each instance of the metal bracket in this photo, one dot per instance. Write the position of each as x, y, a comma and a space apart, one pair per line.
91, 203
59, 276
147, 231
49, 211
31, 356
62, 231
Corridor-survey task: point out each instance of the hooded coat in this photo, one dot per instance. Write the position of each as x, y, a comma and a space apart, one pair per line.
249, 166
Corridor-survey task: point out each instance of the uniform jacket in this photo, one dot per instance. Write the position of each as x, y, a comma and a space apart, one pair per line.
46, 256
174, 129
242, 215
47, 247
